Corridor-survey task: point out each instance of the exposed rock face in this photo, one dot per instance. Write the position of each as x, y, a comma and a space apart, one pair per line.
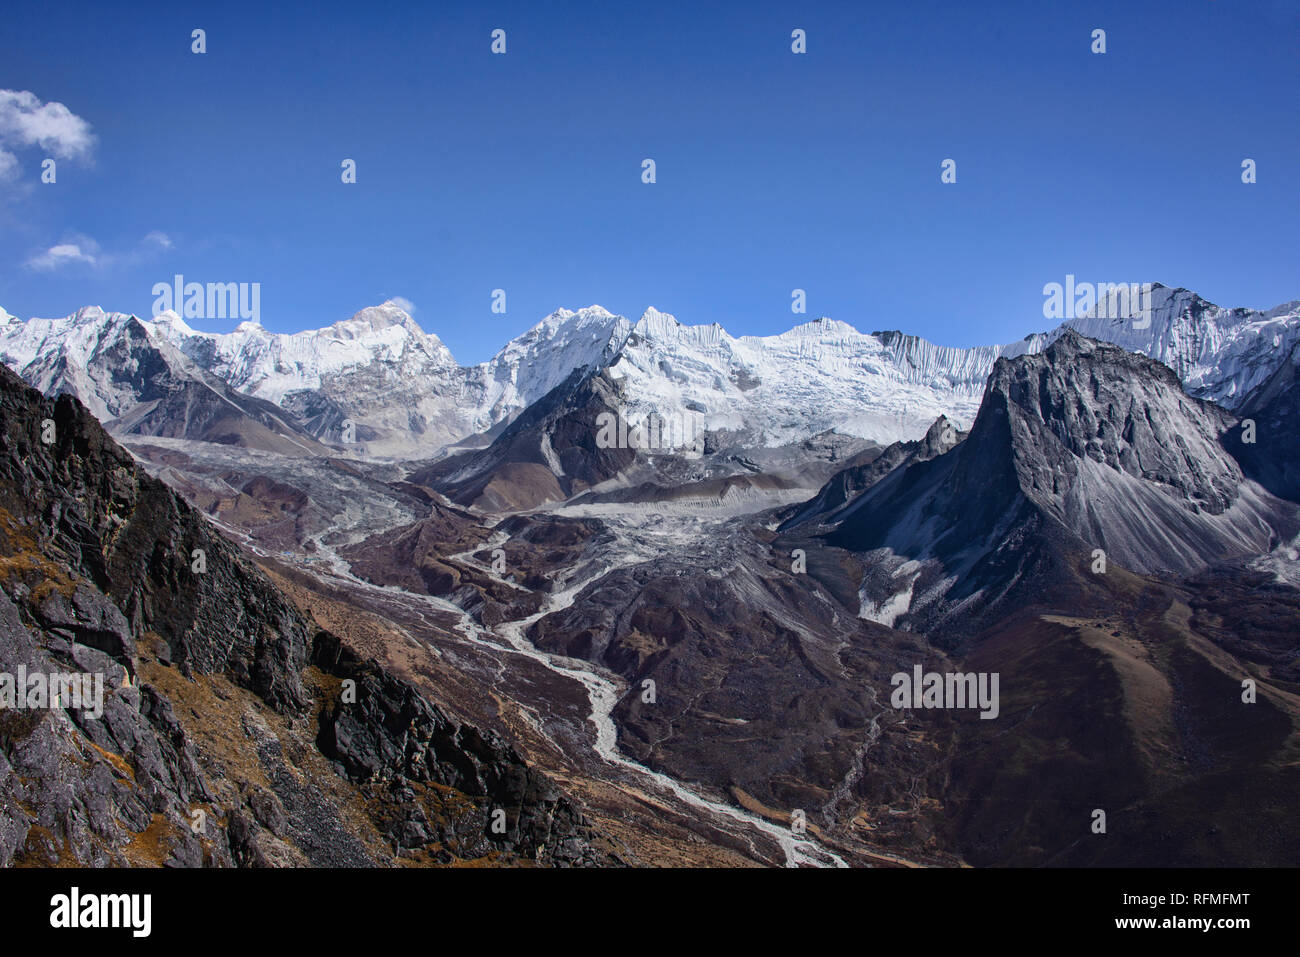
94, 513
551, 451
1217, 353
80, 789
392, 734
1084, 446
222, 704
138, 383
869, 468
1119, 691
1272, 411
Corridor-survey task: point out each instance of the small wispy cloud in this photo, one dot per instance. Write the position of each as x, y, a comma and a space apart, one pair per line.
79, 250
155, 238
26, 122
404, 304
56, 257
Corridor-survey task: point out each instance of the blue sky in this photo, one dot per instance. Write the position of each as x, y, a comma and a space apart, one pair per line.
775, 171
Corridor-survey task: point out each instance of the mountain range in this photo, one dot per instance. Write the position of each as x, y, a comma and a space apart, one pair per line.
377, 386
666, 652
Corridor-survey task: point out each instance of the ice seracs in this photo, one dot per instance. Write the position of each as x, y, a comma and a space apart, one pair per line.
1220, 354
376, 384
821, 375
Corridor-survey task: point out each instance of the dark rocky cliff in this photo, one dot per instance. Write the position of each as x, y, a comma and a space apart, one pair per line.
234, 731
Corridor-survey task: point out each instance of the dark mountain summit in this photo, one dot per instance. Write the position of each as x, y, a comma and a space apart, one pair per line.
868, 468
551, 451
1079, 448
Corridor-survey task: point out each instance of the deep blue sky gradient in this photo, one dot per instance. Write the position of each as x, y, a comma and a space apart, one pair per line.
775, 171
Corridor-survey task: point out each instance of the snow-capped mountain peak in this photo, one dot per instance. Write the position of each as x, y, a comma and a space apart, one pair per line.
1220, 354
374, 319
568, 325
823, 327
171, 325
273, 366
404, 394
534, 363
74, 339
653, 318
592, 312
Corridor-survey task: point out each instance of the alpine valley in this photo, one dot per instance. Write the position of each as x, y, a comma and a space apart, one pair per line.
358, 604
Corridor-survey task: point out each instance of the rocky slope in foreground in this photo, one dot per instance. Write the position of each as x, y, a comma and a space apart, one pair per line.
233, 731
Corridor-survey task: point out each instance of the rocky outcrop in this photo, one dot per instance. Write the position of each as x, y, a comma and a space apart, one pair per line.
88, 790
89, 510
1267, 440
554, 449
1082, 447
867, 469
225, 737
392, 741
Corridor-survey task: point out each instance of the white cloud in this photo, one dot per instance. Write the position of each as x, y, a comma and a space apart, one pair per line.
25, 121
82, 250
56, 257
404, 304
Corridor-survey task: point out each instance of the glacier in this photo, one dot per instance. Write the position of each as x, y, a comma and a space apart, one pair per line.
404, 391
